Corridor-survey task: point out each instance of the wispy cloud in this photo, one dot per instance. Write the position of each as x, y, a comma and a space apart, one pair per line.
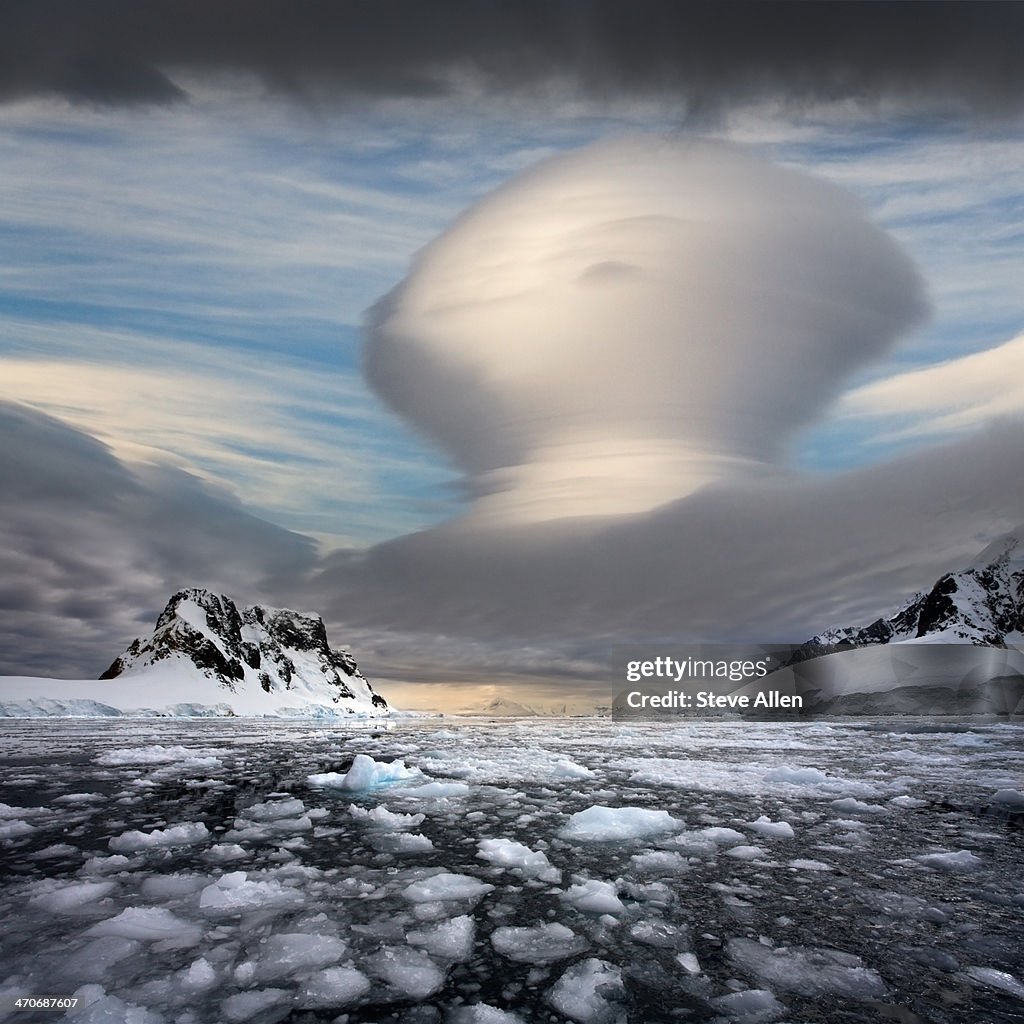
201, 211
950, 398
310, 451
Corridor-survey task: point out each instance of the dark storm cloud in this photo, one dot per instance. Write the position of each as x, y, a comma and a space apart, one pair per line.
90, 549
129, 51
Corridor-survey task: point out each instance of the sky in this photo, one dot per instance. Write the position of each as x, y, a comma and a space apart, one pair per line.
499, 334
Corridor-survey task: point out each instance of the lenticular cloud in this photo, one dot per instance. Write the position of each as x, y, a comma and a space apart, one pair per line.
620, 325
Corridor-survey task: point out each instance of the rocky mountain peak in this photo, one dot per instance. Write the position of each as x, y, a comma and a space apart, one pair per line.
275, 649
221, 613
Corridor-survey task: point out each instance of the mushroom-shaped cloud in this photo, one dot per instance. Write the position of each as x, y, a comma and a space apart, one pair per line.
621, 324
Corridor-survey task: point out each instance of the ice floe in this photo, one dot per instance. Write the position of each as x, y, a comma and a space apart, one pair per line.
187, 834
600, 823
590, 992
814, 971
539, 944
365, 774
446, 885
594, 896
506, 853
380, 817
948, 860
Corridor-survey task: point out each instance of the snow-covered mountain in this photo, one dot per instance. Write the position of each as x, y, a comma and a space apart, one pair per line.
955, 648
980, 604
207, 656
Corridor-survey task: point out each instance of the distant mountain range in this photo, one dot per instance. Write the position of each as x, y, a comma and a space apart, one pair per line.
503, 707
500, 707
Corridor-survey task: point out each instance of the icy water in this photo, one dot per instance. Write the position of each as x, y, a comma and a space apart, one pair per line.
552, 871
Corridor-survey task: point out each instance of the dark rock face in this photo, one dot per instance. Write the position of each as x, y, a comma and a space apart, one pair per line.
937, 610
982, 604
227, 645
